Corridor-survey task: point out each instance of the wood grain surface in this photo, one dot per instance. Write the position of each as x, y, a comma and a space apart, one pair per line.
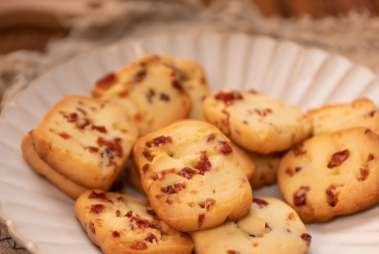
22, 30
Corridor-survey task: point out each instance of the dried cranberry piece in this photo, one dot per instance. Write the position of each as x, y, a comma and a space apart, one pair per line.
138, 246
106, 81
233, 252
291, 216
263, 112
211, 137
140, 222
139, 76
333, 199
145, 168
187, 172
157, 228
160, 140
92, 227
137, 116
204, 165
129, 214
85, 123
364, 173
118, 213
148, 156
176, 84
267, 228
225, 149
149, 95
113, 146
289, 172
163, 173
171, 189
93, 149
201, 218
100, 195
151, 211
71, 118
64, 135
244, 122
260, 202
151, 237
228, 97
338, 158
299, 196
123, 94
297, 169
307, 238
209, 203
372, 113
82, 111
164, 97
115, 234
102, 129
369, 158
179, 186
97, 208
297, 149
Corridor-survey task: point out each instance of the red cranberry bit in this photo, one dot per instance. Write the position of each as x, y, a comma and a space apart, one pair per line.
161, 140
299, 196
289, 172
106, 81
114, 146
164, 97
82, 111
307, 238
260, 202
169, 189
157, 228
140, 76
204, 165
129, 214
138, 246
263, 112
291, 216
149, 95
176, 84
331, 192
92, 227
118, 213
145, 168
297, 169
209, 202
85, 123
372, 113
267, 228
140, 222
100, 195
244, 122
124, 130
148, 156
151, 237
64, 135
233, 252
102, 129
115, 234
187, 172
123, 94
364, 173
211, 137
201, 218
297, 150
137, 116
225, 149
93, 149
228, 97
163, 173
151, 211
338, 158
97, 208
120, 199
71, 118
179, 186
369, 158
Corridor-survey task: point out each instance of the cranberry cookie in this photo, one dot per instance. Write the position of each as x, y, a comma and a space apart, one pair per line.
257, 122
149, 89
192, 176
361, 112
67, 186
122, 224
271, 226
331, 174
85, 140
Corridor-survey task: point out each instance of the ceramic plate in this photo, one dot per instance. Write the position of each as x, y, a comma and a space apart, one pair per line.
42, 219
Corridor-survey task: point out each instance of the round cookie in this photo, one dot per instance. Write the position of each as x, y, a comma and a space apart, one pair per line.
149, 90
85, 140
192, 175
270, 227
335, 173
70, 188
121, 224
255, 121
360, 112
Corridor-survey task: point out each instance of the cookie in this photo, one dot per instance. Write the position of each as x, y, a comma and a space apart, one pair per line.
335, 173
192, 176
266, 168
245, 161
67, 186
121, 224
271, 226
149, 90
255, 121
361, 112
85, 140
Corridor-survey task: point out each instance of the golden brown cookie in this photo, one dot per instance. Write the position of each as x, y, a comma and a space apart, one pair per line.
335, 173
255, 121
192, 175
85, 140
270, 227
121, 224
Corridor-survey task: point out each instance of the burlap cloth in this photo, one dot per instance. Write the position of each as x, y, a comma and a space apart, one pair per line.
355, 36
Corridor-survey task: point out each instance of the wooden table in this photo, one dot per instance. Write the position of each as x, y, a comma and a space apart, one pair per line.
32, 30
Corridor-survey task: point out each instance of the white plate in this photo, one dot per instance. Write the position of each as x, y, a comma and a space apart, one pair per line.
42, 219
